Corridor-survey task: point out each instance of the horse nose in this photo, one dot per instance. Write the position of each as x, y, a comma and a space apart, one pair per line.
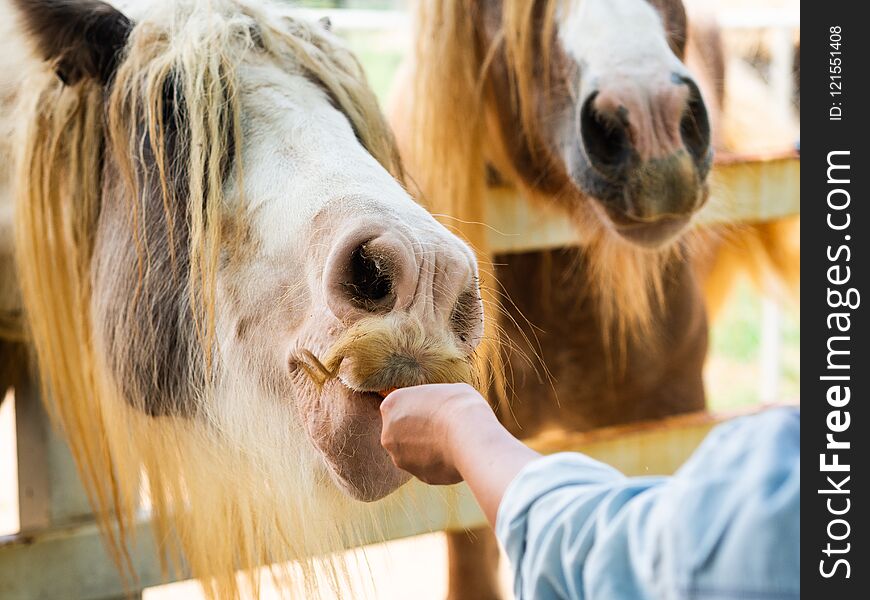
660, 133
620, 120
375, 271
369, 271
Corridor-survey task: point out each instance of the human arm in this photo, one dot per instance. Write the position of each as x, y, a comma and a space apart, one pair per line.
725, 526
447, 433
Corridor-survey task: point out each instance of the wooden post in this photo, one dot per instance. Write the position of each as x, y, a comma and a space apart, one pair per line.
49, 491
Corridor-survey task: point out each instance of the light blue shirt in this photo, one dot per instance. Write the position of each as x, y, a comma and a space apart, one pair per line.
725, 526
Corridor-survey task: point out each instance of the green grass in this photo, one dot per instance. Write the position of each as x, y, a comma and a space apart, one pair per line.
733, 367
380, 55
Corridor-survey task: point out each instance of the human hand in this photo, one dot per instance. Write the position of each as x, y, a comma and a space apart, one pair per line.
425, 426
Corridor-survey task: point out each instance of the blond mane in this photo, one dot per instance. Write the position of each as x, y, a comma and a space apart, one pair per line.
222, 499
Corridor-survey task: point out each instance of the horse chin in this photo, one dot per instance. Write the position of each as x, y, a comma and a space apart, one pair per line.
652, 235
650, 211
345, 427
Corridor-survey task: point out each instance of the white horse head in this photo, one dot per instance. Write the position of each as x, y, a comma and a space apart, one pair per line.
222, 271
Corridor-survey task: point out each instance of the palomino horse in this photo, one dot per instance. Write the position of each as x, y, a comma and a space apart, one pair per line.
221, 272
588, 106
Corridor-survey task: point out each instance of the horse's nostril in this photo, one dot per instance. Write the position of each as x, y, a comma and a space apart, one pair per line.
695, 125
605, 136
371, 280
466, 318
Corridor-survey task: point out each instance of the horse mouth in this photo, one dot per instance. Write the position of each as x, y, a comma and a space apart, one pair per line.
351, 378
380, 355
374, 397
651, 234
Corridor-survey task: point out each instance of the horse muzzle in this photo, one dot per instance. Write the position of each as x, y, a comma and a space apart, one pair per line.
644, 155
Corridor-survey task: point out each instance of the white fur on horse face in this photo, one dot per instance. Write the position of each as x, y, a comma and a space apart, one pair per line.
621, 48
617, 38
301, 157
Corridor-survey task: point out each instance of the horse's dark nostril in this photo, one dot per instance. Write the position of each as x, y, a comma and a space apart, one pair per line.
371, 280
605, 136
695, 125
466, 318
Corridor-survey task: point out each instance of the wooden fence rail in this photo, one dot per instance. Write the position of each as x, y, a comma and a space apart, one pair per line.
743, 189
67, 559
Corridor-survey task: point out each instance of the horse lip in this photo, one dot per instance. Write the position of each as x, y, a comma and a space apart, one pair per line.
368, 388
656, 230
400, 370
651, 234
365, 389
353, 388
361, 394
625, 222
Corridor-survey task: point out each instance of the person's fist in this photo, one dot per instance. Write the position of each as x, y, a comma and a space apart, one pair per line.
423, 425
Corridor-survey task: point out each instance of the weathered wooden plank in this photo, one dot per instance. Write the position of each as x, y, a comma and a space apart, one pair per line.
743, 190
752, 189
71, 563
49, 491
657, 447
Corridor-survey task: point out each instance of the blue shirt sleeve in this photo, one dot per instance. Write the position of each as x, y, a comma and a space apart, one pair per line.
725, 526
